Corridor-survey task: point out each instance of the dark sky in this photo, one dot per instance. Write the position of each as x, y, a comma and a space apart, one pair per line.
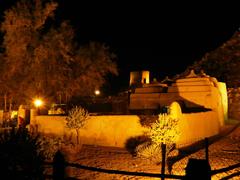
162, 38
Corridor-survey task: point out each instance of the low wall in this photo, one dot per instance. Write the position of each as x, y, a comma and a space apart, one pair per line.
116, 130
99, 130
194, 126
197, 126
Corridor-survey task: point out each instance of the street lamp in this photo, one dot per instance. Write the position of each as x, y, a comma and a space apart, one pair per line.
97, 92
38, 103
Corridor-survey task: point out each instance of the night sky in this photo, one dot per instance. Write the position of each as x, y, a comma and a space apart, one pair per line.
162, 38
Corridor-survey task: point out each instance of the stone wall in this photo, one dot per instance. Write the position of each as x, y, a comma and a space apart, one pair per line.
193, 92
118, 129
234, 103
197, 126
105, 130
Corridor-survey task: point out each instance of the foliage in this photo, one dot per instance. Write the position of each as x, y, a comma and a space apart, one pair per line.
22, 26
92, 63
42, 59
76, 119
150, 151
165, 130
133, 142
222, 62
20, 157
48, 146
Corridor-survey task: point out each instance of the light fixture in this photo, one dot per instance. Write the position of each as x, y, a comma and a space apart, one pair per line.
38, 103
97, 92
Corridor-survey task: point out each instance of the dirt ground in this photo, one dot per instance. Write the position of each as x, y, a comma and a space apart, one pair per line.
223, 152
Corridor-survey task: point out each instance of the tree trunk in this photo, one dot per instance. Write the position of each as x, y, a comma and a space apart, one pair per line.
66, 97
60, 99
10, 104
5, 102
77, 136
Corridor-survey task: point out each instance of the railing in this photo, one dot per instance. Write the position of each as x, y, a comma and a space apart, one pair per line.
59, 166
58, 172
195, 169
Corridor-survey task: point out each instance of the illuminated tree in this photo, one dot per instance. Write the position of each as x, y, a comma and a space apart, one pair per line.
223, 62
6, 89
76, 119
23, 27
41, 59
165, 130
92, 63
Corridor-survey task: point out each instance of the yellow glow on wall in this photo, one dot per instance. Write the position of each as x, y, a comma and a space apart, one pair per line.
139, 77
145, 77
223, 91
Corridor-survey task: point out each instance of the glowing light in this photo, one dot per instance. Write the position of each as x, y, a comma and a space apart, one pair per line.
14, 114
97, 92
38, 102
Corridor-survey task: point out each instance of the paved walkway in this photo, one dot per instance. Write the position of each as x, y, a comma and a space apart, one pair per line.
224, 152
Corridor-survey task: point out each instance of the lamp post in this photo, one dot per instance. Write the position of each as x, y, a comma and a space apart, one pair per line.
97, 92
38, 103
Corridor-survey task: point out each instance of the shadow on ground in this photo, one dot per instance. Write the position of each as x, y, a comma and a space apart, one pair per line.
193, 148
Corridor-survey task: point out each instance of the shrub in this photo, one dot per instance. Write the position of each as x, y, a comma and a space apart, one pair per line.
20, 157
76, 119
163, 131
149, 151
133, 142
48, 146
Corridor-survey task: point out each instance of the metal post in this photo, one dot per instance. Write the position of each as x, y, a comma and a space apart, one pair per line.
206, 149
58, 166
163, 146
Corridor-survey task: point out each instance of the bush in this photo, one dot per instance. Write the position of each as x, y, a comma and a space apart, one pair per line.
149, 150
164, 130
48, 146
133, 142
20, 157
76, 119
